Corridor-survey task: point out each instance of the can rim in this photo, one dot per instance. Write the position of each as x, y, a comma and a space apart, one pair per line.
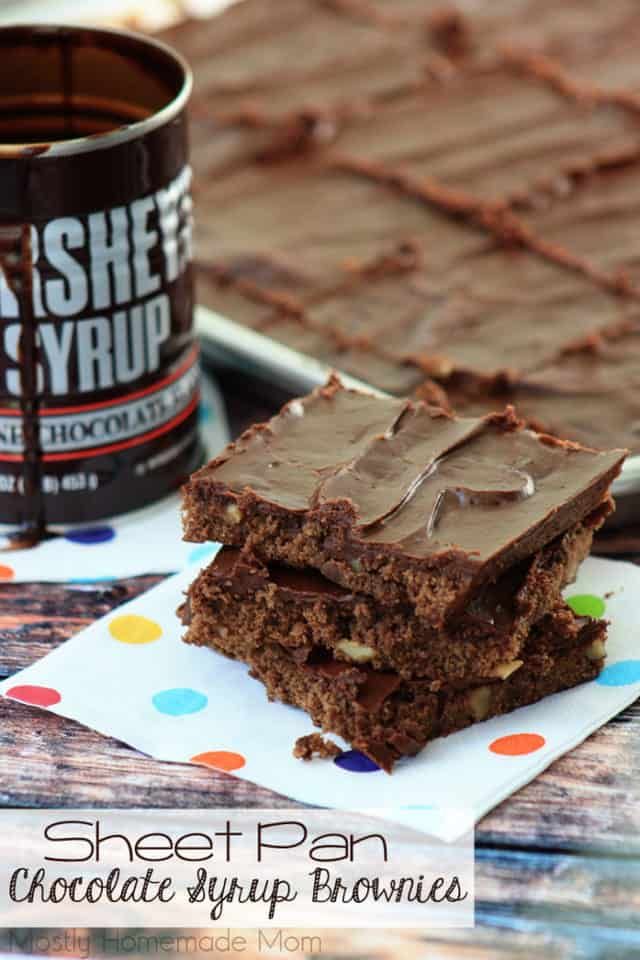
122, 134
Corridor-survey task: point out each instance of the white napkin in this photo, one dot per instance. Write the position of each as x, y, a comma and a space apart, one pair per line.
144, 541
130, 676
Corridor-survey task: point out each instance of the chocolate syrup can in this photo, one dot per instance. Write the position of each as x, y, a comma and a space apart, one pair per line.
98, 362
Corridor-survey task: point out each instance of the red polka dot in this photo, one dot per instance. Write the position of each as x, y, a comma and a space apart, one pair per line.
517, 744
38, 696
220, 760
6, 573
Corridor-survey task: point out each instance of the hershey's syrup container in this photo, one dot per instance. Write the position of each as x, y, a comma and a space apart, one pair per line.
98, 362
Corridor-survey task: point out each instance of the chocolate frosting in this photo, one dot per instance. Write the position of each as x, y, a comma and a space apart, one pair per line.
411, 477
243, 575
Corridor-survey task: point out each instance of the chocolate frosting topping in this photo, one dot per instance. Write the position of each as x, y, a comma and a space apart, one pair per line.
590, 393
411, 476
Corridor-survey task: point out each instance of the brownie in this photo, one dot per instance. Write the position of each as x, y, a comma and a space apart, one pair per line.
499, 141
439, 200
267, 64
259, 228
476, 317
395, 499
476, 139
238, 604
314, 745
589, 393
387, 717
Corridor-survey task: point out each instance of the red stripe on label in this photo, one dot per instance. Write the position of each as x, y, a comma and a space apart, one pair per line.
115, 447
189, 360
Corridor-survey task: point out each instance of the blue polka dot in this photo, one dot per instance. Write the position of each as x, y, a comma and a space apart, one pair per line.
205, 413
620, 674
88, 536
179, 701
201, 552
355, 762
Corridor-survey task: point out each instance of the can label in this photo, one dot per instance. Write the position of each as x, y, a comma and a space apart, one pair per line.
117, 369
69, 433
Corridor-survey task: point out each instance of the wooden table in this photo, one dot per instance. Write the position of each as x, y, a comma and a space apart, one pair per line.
558, 863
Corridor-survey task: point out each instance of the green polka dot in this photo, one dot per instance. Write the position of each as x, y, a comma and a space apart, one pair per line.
586, 605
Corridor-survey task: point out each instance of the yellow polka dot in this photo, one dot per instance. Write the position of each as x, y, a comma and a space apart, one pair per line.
130, 628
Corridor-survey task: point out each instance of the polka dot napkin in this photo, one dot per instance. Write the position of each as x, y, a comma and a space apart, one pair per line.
144, 541
130, 676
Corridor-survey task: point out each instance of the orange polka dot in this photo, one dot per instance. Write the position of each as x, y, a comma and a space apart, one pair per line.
220, 760
517, 744
6, 573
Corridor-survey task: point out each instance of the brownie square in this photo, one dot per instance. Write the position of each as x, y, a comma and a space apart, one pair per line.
395, 499
239, 604
388, 717
589, 393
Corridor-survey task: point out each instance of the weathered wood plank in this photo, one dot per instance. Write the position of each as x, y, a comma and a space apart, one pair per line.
50, 761
588, 799
581, 803
36, 618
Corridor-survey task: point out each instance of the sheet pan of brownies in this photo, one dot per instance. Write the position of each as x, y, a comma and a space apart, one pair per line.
423, 193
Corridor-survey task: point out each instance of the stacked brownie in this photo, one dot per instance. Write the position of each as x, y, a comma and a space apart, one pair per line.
394, 570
